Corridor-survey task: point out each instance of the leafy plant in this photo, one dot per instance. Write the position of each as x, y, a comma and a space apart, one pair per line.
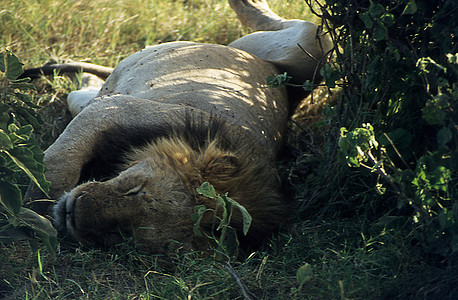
20, 158
283, 80
226, 241
303, 275
396, 68
278, 80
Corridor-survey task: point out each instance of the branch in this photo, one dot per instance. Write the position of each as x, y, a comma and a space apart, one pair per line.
247, 294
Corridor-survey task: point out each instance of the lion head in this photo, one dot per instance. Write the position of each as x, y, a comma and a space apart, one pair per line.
153, 195
145, 200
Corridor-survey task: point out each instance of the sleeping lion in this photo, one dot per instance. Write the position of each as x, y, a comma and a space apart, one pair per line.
173, 116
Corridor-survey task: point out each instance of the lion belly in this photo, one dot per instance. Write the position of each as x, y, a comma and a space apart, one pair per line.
216, 79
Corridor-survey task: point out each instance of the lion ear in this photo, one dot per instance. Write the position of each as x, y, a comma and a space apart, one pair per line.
223, 167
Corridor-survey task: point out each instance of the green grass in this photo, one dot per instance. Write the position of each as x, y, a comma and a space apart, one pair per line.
346, 264
106, 31
352, 255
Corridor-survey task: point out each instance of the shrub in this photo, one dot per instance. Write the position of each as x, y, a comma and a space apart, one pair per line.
21, 158
396, 66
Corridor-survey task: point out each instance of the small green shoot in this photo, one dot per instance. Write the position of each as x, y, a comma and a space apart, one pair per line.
227, 240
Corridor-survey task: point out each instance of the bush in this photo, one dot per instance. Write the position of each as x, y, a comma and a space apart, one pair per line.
21, 159
396, 69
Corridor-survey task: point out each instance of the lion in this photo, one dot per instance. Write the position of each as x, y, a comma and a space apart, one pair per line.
173, 116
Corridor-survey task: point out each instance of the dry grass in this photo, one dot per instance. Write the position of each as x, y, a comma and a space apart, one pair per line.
106, 31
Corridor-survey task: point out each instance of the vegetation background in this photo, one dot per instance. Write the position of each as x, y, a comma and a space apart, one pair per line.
373, 177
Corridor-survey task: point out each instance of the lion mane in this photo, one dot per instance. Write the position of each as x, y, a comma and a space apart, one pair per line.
196, 152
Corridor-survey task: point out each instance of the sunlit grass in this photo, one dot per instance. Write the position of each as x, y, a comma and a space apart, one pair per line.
105, 31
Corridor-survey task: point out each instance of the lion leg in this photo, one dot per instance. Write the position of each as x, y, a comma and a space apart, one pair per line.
293, 46
296, 47
257, 15
88, 90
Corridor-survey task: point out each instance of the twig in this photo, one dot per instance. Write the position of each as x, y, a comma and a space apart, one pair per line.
247, 294
308, 53
396, 150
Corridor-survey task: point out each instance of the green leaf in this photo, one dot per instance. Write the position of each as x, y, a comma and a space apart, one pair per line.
24, 86
5, 141
444, 136
22, 80
26, 99
330, 75
4, 115
199, 211
29, 167
5, 168
376, 10
353, 162
10, 197
380, 189
227, 212
367, 20
355, 145
28, 116
25, 132
452, 58
308, 86
13, 66
16, 139
42, 227
278, 80
12, 234
230, 242
387, 19
440, 178
304, 274
228, 237
380, 32
20, 135
207, 190
376, 165
245, 215
12, 128
410, 8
